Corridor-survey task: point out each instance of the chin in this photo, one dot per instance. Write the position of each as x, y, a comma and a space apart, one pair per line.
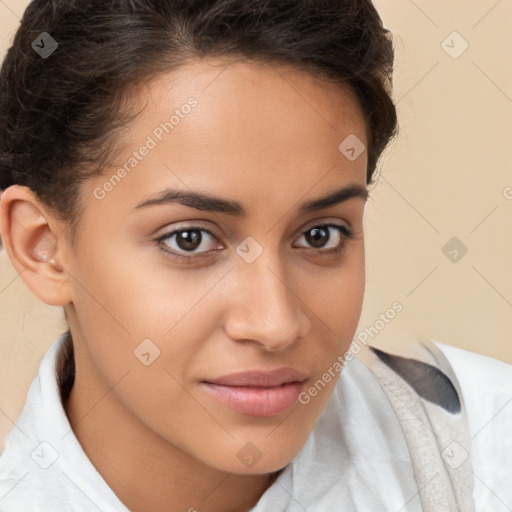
256, 457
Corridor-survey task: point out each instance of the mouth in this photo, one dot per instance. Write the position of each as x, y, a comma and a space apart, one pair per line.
258, 393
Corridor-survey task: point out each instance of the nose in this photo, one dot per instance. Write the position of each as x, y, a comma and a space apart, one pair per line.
266, 309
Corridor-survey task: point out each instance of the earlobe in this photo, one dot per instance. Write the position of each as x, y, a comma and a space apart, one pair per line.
35, 244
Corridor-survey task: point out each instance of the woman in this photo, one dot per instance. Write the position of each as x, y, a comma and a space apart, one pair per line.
188, 181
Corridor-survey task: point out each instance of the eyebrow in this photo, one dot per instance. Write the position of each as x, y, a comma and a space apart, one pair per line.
206, 202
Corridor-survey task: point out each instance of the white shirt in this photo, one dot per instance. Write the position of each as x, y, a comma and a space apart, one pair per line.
355, 459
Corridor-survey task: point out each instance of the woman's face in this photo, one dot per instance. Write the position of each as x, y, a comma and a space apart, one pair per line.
172, 294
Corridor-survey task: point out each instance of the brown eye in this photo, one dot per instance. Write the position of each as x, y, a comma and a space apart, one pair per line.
317, 237
188, 242
327, 238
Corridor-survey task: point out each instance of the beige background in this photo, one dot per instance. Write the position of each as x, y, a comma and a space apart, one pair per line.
447, 175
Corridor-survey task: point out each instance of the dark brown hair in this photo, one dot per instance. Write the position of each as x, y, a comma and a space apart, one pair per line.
59, 114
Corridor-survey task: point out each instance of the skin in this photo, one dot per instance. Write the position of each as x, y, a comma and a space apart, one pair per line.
267, 137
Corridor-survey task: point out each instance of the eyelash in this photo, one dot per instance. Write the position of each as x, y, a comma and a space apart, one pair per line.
347, 235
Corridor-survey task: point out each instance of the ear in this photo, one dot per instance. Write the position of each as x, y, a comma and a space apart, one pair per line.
35, 242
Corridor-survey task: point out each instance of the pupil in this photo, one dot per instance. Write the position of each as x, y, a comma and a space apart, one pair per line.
188, 240
315, 239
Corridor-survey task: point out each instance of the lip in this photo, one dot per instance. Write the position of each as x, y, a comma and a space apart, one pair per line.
260, 378
258, 393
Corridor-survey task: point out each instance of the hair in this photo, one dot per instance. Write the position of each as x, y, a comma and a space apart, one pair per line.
60, 115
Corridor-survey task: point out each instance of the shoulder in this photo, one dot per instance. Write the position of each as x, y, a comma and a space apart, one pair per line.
483, 366
43, 466
486, 386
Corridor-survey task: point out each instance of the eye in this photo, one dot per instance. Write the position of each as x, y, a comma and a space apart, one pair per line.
327, 238
187, 240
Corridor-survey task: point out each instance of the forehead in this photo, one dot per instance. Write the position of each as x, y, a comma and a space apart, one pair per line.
254, 131
238, 92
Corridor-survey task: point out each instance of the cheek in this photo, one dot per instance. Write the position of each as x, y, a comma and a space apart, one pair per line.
121, 300
335, 297
132, 289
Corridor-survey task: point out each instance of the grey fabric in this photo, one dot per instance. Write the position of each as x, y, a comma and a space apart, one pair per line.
428, 381
427, 399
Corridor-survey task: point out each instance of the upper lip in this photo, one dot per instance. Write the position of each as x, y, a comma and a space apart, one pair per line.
260, 378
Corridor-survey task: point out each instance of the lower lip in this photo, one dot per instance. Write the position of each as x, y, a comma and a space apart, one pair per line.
262, 402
